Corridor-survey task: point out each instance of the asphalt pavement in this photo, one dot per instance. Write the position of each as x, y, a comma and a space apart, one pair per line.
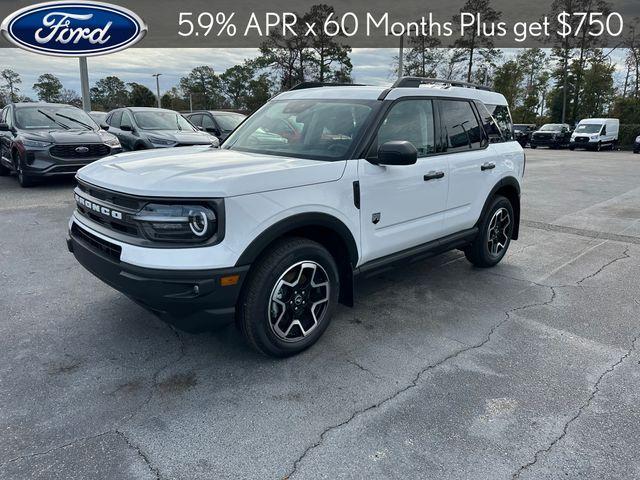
441, 371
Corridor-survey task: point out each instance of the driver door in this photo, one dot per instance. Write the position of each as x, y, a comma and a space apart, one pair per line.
402, 206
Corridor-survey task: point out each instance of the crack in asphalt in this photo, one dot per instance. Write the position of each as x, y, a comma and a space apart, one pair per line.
140, 452
594, 391
53, 449
414, 383
364, 369
624, 256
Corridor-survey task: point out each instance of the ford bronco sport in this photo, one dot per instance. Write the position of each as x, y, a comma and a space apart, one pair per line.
317, 187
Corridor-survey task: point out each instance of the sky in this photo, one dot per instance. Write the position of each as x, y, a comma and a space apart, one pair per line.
372, 66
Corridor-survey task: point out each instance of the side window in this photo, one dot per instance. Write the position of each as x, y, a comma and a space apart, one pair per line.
207, 122
116, 118
502, 116
491, 129
604, 130
126, 120
196, 119
461, 127
410, 120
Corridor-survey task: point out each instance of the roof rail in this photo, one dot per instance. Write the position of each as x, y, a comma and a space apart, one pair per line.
414, 82
304, 85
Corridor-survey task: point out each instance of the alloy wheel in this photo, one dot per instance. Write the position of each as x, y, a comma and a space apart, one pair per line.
299, 301
498, 234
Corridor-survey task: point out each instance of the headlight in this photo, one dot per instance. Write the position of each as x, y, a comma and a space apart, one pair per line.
35, 143
638, 139
161, 141
177, 223
594, 137
111, 140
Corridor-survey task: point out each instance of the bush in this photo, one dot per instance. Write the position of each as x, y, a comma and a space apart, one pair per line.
628, 134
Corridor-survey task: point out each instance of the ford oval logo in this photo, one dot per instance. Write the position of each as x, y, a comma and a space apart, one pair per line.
82, 149
74, 29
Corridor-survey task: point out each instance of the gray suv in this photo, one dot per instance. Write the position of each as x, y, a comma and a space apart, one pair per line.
39, 140
141, 128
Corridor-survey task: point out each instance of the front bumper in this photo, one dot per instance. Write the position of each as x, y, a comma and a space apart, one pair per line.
39, 162
190, 299
589, 145
544, 142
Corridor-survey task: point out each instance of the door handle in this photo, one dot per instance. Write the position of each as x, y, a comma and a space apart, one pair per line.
433, 176
488, 166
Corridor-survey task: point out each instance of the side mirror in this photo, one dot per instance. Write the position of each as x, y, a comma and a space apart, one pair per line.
4, 127
126, 128
397, 152
200, 128
104, 126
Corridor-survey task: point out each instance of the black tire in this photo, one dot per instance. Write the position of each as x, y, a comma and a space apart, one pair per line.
24, 180
257, 307
599, 147
572, 148
533, 147
480, 253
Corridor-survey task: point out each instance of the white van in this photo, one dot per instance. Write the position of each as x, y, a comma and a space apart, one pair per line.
595, 133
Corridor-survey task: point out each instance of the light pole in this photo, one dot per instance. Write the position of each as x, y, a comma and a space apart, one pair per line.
84, 84
157, 75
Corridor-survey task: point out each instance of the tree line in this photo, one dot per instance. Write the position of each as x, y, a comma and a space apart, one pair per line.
571, 79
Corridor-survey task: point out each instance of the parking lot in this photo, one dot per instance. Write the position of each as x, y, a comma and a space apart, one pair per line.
527, 370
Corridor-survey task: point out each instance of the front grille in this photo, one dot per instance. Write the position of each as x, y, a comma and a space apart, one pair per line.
96, 243
582, 139
114, 198
91, 150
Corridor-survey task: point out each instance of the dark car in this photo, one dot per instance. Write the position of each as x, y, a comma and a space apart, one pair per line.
140, 128
552, 135
522, 133
40, 140
216, 122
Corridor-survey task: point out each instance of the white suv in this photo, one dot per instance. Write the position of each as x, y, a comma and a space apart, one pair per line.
318, 186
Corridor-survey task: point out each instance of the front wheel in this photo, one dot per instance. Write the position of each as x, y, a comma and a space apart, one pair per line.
24, 180
494, 237
289, 297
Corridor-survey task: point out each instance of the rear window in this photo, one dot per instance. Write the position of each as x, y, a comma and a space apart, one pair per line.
502, 117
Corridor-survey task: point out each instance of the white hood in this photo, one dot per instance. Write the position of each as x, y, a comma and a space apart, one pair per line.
205, 172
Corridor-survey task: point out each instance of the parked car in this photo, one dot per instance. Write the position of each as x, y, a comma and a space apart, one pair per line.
39, 140
522, 133
595, 133
270, 230
98, 117
216, 122
552, 135
140, 128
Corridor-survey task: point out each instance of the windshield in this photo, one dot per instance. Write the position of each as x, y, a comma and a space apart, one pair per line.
315, 129
520, 128
50, 117
589, 128
552, 127
229, 121
162, 121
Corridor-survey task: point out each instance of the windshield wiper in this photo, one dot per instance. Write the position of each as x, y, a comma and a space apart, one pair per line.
66, 127
88, 127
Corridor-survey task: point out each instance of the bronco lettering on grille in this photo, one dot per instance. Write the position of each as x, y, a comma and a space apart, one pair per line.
108, 212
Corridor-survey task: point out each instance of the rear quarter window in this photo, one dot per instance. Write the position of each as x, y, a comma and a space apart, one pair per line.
502, 117
462, 130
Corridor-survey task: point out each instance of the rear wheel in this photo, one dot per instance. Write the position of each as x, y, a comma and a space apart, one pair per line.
494, 237
599, 147
289, 297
